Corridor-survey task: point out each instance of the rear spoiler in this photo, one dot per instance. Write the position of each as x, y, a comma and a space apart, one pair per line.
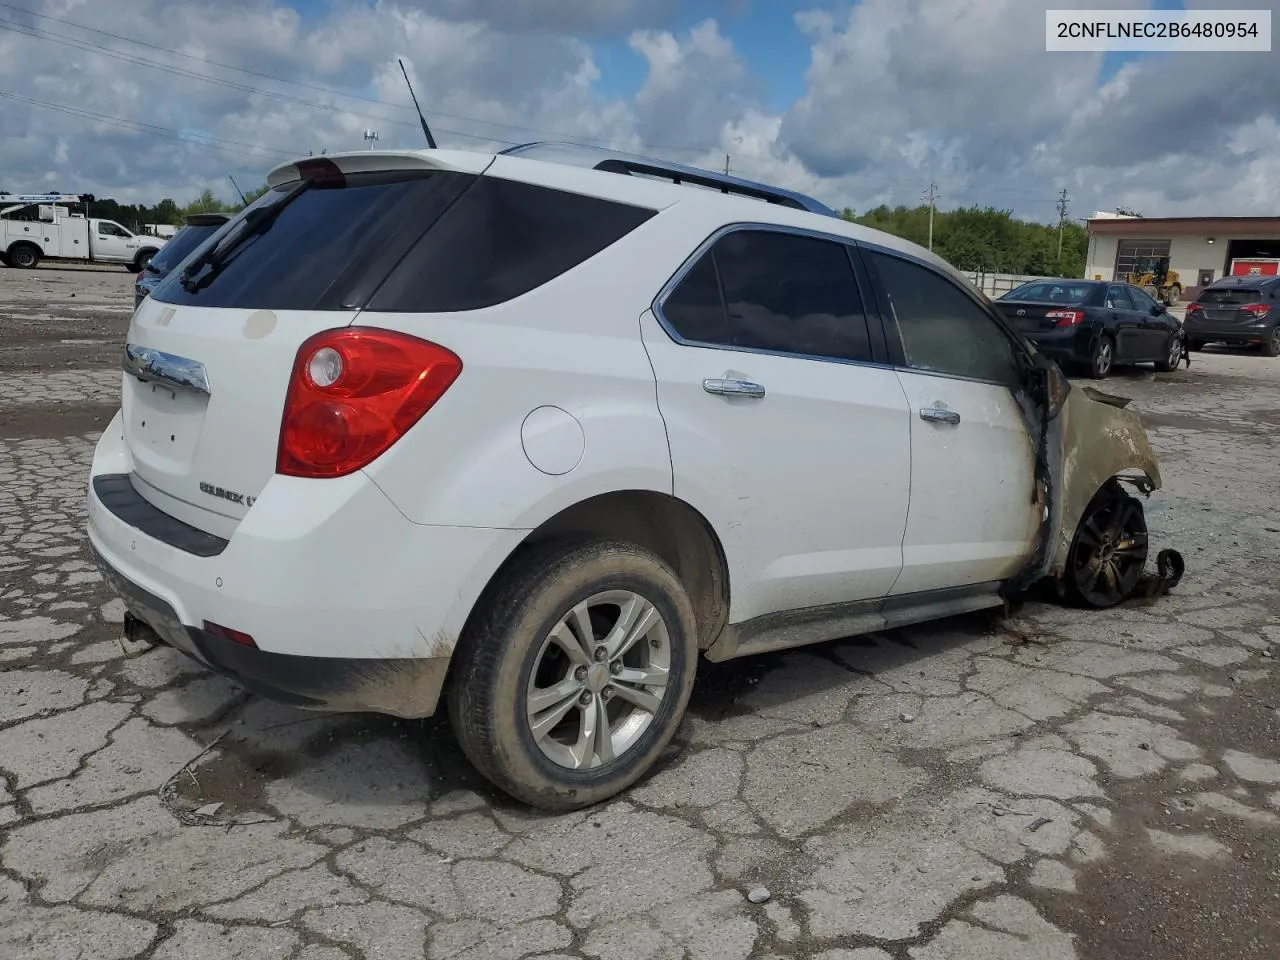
370, 161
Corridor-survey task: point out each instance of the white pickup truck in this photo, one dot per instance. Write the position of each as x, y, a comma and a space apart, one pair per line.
37, 227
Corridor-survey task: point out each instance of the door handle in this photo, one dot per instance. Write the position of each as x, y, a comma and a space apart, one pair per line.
939, 415
734, 388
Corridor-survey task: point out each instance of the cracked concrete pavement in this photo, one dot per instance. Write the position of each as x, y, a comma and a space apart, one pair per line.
1057, 785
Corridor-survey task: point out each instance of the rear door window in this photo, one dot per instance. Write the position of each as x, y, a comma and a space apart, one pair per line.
776, 292
695, 309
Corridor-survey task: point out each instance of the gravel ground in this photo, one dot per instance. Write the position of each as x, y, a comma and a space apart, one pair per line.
1056, 785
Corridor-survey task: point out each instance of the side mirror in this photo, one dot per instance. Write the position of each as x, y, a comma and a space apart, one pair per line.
1159, 309
1049, 385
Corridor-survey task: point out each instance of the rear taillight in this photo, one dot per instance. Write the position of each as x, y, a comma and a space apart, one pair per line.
1065, 318
1259, 310
353, 393
1194, 308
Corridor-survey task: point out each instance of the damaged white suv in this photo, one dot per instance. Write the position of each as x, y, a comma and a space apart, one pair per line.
527, 434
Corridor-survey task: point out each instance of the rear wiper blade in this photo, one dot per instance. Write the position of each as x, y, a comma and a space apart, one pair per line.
256, 222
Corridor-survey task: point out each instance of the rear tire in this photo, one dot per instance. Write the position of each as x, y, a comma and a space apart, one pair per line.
526, 690
24, 257
1152, 291
1271, 346
1175, 294
1173, 355
1103, 359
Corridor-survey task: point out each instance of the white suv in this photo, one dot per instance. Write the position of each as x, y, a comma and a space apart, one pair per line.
531, 431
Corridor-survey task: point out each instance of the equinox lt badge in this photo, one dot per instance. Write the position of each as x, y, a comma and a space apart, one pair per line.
229, 495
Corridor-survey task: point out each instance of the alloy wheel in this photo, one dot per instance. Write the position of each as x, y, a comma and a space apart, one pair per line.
1110, 551
1102, 359
598, 680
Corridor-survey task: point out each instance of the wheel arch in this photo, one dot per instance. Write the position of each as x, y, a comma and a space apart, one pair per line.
22, 244
659, 522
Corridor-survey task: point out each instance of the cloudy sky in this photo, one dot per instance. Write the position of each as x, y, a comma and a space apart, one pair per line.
859, 102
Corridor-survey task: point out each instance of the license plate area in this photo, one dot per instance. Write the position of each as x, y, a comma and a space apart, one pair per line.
164, 424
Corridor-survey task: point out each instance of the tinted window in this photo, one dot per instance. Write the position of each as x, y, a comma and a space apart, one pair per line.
179, 245
695, 309
1052, 292
1118, 298
317, 254
502, 239
1229, 296
791, 294
941, 327
1140, 299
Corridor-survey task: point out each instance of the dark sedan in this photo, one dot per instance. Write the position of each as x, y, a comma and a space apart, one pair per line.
197, 228
1237, 311
1093, 324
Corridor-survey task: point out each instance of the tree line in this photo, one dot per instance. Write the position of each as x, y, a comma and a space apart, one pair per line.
975, 238
167, 211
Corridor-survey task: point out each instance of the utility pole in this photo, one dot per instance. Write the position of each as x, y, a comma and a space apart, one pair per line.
932, 196
726, 164
1063, 200
371, 137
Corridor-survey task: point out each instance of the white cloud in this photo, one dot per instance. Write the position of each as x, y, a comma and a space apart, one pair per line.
897, 93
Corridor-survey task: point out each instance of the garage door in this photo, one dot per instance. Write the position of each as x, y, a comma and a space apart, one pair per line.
1130, 254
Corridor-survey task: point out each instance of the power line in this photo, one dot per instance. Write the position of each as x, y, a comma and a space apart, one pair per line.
151, 128
45, 35
38, 34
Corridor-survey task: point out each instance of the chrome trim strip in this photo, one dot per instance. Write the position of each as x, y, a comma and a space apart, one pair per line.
155, 365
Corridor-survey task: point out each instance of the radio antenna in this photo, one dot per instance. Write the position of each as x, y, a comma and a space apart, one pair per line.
431, 141
238, 190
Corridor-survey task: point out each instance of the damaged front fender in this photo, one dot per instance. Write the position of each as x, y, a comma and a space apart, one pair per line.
1097, 440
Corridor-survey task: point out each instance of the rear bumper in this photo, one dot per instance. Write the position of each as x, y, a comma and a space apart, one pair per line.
401, 687
352, 606
1208, 332
1070, 344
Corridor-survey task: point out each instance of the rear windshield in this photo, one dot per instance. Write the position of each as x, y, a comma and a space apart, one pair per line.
1229, 296
429, 241
1052, 292
181, 244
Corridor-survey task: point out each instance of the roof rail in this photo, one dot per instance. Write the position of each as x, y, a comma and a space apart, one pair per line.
614, 161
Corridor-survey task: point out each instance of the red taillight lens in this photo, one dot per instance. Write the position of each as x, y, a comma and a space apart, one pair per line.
1194, 308
1065, 318
235, 636
353, 393
1257, 309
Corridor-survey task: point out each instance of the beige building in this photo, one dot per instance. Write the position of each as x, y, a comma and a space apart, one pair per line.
1200, 249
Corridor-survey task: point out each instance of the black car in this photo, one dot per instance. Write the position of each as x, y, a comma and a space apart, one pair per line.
1094, 324
1238, 311
197, 229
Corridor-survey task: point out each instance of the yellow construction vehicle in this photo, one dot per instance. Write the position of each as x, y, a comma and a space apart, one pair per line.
1157, 280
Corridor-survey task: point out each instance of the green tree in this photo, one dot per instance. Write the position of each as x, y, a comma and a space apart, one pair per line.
205, 203
251, 196
984, 238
